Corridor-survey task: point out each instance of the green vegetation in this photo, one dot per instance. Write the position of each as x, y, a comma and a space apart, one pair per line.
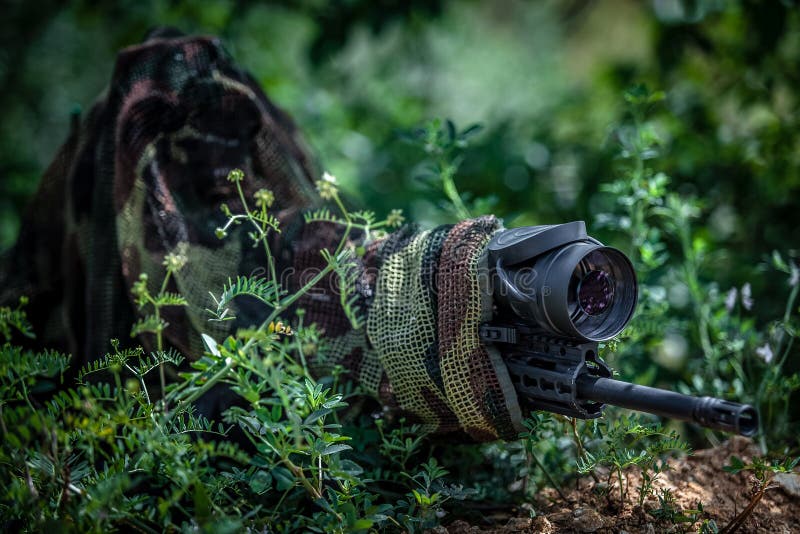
675, 136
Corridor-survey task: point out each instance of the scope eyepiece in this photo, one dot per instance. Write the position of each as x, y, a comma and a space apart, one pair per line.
563, 280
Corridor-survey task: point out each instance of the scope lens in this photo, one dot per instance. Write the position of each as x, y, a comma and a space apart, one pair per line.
581, 290
601, 293
595, 292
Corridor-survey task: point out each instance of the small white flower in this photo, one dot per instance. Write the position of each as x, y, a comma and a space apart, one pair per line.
747, 296
327, 186
730, 299
395, 218
765, 352
175, 261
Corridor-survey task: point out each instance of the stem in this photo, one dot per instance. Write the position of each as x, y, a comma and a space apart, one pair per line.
2, 421
691, 278
271, 265
277, 506
784, 353
319, 479
739, 520
579, 445
446, 173
25, 394
160, 343
262, 231
288, 301
548, 476
141, 381
300, 349
341, 207
637, 210
298, 472
219, 375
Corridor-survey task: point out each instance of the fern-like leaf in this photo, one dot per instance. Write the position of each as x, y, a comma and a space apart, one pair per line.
170, 299
253, 286
149, 324
16, 319
366, 216
184, 421
154, 359
268, 220
16, 362
347, 270
118, 359
323, 215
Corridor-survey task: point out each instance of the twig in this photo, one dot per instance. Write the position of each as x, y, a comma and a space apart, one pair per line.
739, 520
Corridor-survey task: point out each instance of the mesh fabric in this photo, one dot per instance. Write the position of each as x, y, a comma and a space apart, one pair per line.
145, 175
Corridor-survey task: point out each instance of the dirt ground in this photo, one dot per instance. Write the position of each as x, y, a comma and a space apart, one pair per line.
696, 478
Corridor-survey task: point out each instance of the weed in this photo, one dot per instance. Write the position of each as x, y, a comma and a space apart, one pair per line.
627, 442
674, 263
763, 472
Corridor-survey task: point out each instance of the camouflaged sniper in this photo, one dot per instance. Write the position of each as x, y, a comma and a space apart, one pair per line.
146, 170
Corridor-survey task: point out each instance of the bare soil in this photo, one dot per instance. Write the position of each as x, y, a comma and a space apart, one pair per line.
698, 478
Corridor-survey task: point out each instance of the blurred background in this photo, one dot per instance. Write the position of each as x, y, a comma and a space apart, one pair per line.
546, 80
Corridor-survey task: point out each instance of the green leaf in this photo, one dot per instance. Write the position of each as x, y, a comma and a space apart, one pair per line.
736, 465
283, 478
148, 324
316, 415
211, 345
202, 503
470, 131
451, 131
260, 482
779, 263
362, 524
335, 448
170, 299
253, 286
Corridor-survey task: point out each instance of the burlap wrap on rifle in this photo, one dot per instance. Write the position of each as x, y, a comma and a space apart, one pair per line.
145, 172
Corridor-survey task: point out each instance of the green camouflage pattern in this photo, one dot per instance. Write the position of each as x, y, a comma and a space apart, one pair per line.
144, 174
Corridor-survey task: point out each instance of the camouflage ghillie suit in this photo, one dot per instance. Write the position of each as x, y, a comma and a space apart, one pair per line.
146, 170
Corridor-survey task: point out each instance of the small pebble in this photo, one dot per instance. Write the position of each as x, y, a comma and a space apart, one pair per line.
586, 520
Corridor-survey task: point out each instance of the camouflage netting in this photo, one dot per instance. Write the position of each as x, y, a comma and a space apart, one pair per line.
145, 172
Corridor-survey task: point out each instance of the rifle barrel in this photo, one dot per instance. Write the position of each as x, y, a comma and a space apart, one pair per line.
709, 412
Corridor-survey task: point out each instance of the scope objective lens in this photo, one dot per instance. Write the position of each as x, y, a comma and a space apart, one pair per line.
595, 292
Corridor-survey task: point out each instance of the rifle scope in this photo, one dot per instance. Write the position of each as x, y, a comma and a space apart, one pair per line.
557, 293
568, 283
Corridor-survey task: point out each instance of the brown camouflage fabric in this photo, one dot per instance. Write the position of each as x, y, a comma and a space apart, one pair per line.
146, 170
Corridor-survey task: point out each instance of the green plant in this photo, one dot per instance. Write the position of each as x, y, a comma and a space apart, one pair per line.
763, 472
401, 443
154, 323
443, 144
14, 319
422, 507
102, 456
627, 442
675, 263
708, 526
670, 511
538, 427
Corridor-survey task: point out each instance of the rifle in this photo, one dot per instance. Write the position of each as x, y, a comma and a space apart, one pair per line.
559, 292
